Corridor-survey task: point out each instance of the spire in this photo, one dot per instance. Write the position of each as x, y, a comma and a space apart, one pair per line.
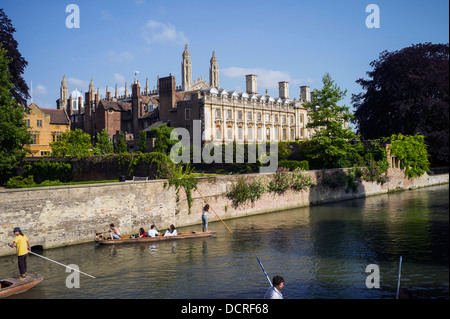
91, 86
213, 71
126, 90
116, 95
186, 69
63, 93
147, 91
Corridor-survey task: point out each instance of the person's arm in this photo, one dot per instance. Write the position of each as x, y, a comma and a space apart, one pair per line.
29, 245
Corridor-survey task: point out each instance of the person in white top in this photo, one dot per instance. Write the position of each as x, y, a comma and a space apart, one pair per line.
171, 231
274, 292
153, 232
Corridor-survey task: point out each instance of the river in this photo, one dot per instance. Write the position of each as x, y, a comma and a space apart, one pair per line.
321, 251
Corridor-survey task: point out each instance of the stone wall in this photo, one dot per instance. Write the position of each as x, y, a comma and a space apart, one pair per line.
65, 215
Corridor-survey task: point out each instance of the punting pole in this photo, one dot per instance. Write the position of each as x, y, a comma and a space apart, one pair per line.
54, 261
265, 273
213, 209
399, 275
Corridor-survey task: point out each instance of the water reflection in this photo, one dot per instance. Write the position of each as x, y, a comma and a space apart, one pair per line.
321, 251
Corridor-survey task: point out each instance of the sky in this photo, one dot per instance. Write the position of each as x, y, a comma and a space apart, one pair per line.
285, 40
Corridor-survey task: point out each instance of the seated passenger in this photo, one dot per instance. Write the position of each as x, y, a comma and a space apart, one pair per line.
171, 231
142, 233
153, 232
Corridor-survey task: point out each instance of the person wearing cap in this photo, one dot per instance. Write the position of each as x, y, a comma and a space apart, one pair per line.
22, 245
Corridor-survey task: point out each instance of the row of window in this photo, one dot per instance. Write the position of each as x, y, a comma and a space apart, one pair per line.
38, 123
240, 116
259, 133
56, 136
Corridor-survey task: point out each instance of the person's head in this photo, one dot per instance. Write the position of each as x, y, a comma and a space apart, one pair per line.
278, 282
172, 228
141, 231
152, 227
111, 226
206, 207
17, 231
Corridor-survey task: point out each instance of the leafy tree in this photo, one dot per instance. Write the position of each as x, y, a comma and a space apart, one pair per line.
18, 64
104, 145
72, 143
13, 131
142, 141
331, 144
163, 143
121, 145
407, 93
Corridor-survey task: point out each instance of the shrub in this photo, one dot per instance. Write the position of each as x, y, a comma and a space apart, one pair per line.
20, 182
292, 165
242, 192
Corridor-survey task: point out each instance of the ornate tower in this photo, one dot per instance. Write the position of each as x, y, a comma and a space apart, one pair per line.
92, 90
186, 69
213, 71
64, 94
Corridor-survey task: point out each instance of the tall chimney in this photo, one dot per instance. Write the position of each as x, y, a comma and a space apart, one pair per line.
251, 80
283, 88
305, 94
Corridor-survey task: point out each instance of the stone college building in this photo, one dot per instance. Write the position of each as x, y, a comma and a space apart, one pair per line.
225, 115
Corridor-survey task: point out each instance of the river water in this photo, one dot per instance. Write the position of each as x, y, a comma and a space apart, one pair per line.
321, 251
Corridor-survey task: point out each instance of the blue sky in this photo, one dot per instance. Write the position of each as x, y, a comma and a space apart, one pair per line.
284, 40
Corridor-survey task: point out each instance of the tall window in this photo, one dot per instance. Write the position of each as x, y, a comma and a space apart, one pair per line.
39, 123
292, 119
267, 117
249, 116
284, 134
218, 113
277, 133
250, 133
276, 118
292, 134
268, 134
239, 113
259, 134
187, 114
240, 133
284, 119
229, 133
258, 116
229, 115
218, 132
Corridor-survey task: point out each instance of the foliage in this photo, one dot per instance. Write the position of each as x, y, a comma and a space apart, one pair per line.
20, 182
407, 93
330, 145
121, 145
13, 131
163, 143
242, 192
142, 141
104, 145
412, 153
300, 181
180, 176
73, 144
47, 170
281, 181
16, 67
292, 165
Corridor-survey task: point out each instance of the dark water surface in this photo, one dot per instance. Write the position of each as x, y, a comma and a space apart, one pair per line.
321, 251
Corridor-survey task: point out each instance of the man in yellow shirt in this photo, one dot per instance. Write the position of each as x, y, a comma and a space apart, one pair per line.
23, 246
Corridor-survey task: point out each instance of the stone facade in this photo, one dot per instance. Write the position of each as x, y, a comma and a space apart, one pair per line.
45, 126
64, 215
225, 115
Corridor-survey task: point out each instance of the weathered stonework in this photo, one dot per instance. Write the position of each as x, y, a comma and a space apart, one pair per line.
65, 215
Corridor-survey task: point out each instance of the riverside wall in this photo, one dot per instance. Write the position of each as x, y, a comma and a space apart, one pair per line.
65, 215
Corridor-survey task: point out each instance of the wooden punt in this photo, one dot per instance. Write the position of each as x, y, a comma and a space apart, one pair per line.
130, 240
15, 285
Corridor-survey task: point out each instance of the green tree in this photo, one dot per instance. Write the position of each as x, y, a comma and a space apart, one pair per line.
142, 141
13, 131
331, 143
163, 143
104, 145
72, 143
121, 145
